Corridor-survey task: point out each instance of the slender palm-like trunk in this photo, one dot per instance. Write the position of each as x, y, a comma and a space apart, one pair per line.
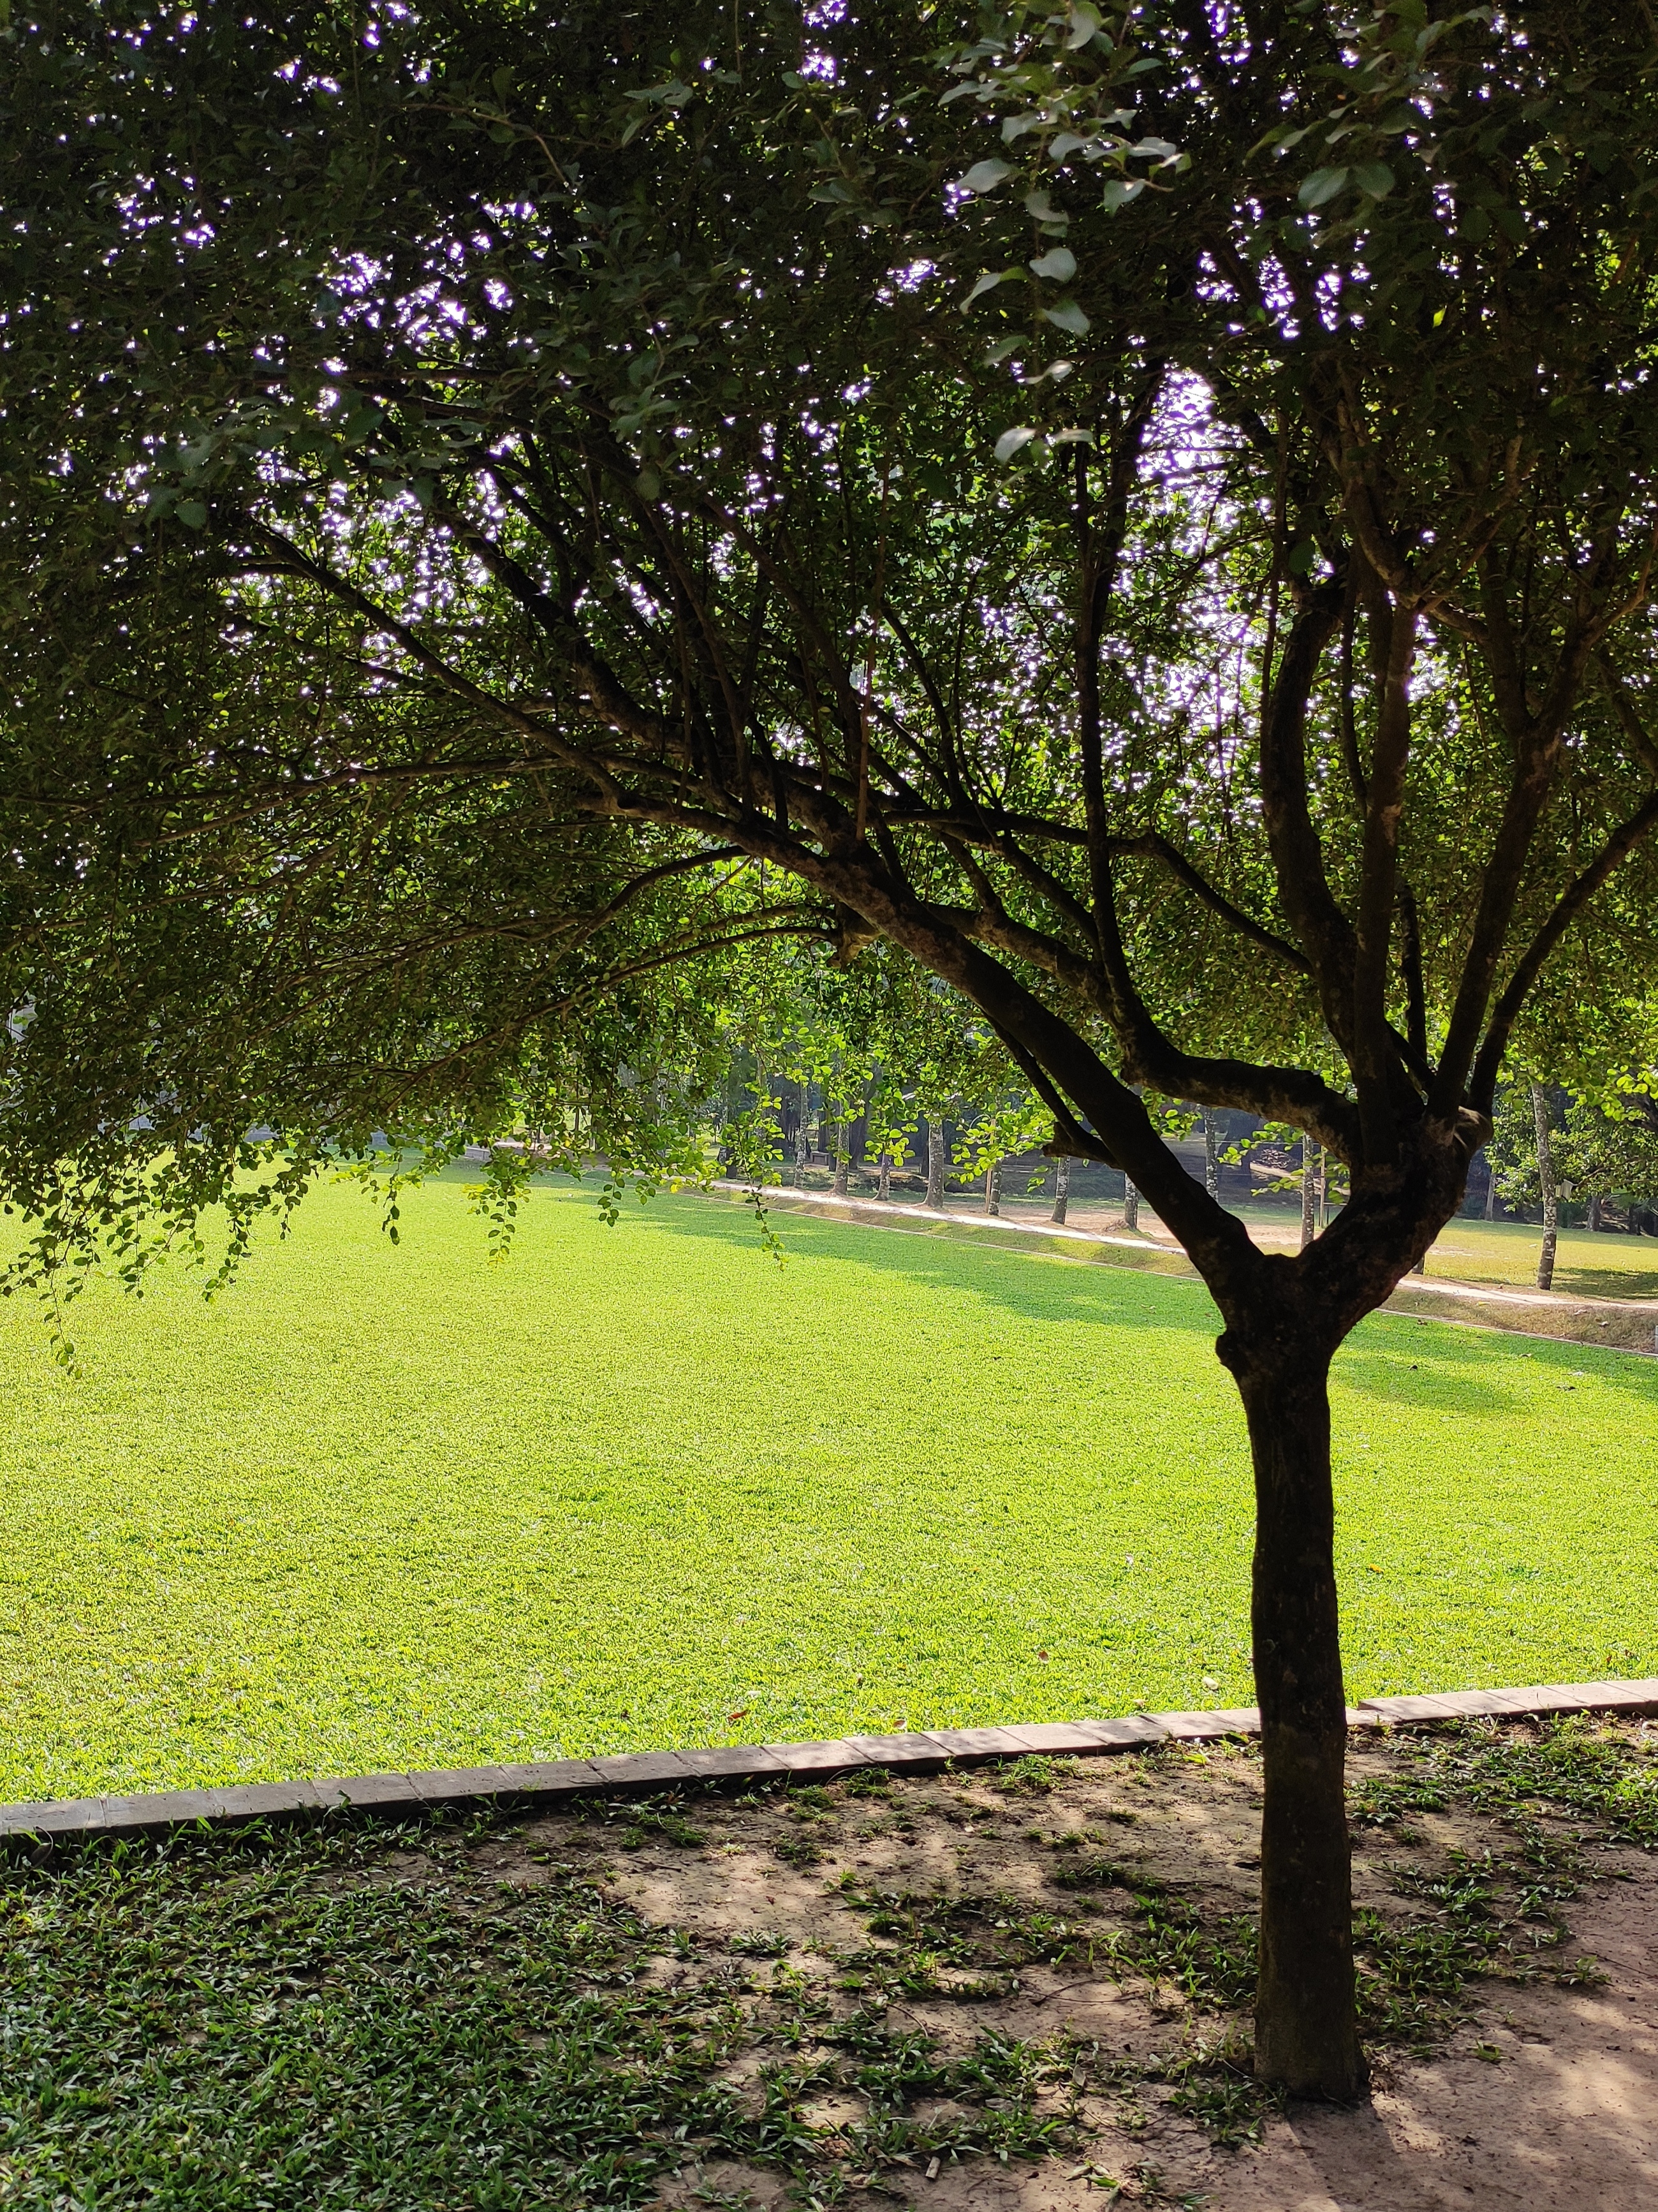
1540, 1106
1211, 1152
884, 1176
1061, 1186
1490, 1190
802, 1135
842, 1159
1309, 1194
935, 1165
1593, 1221
993, 1187
1131, 1205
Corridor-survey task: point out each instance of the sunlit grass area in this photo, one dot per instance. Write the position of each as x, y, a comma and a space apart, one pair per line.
388, 1506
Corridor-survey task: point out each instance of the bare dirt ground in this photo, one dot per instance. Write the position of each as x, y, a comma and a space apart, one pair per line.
1093, 1920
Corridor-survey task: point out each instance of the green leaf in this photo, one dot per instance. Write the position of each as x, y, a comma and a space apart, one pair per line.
987, 282
1012, 443
1058, 263
1375, 177
1085, 25
985, 176
1120, 190
192, 512
1067, 316
1322, 185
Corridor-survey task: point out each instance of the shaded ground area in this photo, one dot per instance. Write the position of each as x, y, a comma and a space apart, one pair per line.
1024, 1987
1480, 1274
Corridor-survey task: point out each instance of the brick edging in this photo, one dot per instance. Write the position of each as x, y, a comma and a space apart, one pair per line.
923, 1751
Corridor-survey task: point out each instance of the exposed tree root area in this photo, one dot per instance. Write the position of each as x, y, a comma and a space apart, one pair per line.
1024, 1988
1507, 1884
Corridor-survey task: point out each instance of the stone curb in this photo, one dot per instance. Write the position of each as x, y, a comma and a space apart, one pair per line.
923, 1751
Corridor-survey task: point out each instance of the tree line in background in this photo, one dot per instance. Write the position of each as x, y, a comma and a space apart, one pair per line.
883, 1070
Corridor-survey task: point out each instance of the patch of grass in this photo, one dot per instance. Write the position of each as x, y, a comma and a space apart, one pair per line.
364, 2016
388, 1507
1497, 1915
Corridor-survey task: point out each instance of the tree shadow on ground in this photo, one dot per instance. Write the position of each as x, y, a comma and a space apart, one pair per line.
1462, 1369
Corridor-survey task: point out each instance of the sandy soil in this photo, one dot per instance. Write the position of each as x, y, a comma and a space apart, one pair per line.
1543, 2097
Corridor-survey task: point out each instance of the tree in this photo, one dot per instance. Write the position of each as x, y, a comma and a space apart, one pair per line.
1608, 1148
1146, 509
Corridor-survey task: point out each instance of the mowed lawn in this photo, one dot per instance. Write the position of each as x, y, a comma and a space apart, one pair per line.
391, 1507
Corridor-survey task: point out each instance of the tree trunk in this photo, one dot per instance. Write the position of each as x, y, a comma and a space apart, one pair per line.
1131, 1205
993, 1187
1594, 1210
1210, 1153
883, 1178
935, 1165
1491, 1191
1061, 1186
842, 1159
1540, 1106
1306, 2031
1309, 1194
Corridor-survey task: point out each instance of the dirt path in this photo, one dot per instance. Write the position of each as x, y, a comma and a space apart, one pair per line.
952, 1914
1616, 1324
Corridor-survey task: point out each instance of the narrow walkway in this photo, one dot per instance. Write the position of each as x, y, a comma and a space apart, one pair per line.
1617, 1324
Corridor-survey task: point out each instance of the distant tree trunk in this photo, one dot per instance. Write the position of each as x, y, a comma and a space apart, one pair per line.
935, 1166
884, 1180
1211, 1152
1061, 1186
1308, 1192
842, 1158
1491, 1191
1323, 1189
1540, 1106
1131, 1205
993, 1187
1593, 1221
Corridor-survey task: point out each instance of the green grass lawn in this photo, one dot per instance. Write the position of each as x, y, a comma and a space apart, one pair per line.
388, 1506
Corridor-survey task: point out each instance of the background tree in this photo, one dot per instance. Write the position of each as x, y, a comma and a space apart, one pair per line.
1148, 509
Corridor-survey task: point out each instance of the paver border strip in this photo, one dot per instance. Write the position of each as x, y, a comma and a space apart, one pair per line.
568, 1781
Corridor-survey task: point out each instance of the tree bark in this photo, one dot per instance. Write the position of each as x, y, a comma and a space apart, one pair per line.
883, 1177
1540, 1106
1309, 1194
1490, 1190
1210, 1153
1306, 2029
935, 1165
1131, 1205
993, 1187
1061, 1186
1594, 1210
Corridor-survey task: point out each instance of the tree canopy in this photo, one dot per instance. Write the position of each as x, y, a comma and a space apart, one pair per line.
1148, 509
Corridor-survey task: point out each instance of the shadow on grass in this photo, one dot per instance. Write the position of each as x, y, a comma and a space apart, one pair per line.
1440, 1366
1066, 1289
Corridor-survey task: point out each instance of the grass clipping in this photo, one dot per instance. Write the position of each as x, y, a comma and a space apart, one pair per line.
806, 1996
